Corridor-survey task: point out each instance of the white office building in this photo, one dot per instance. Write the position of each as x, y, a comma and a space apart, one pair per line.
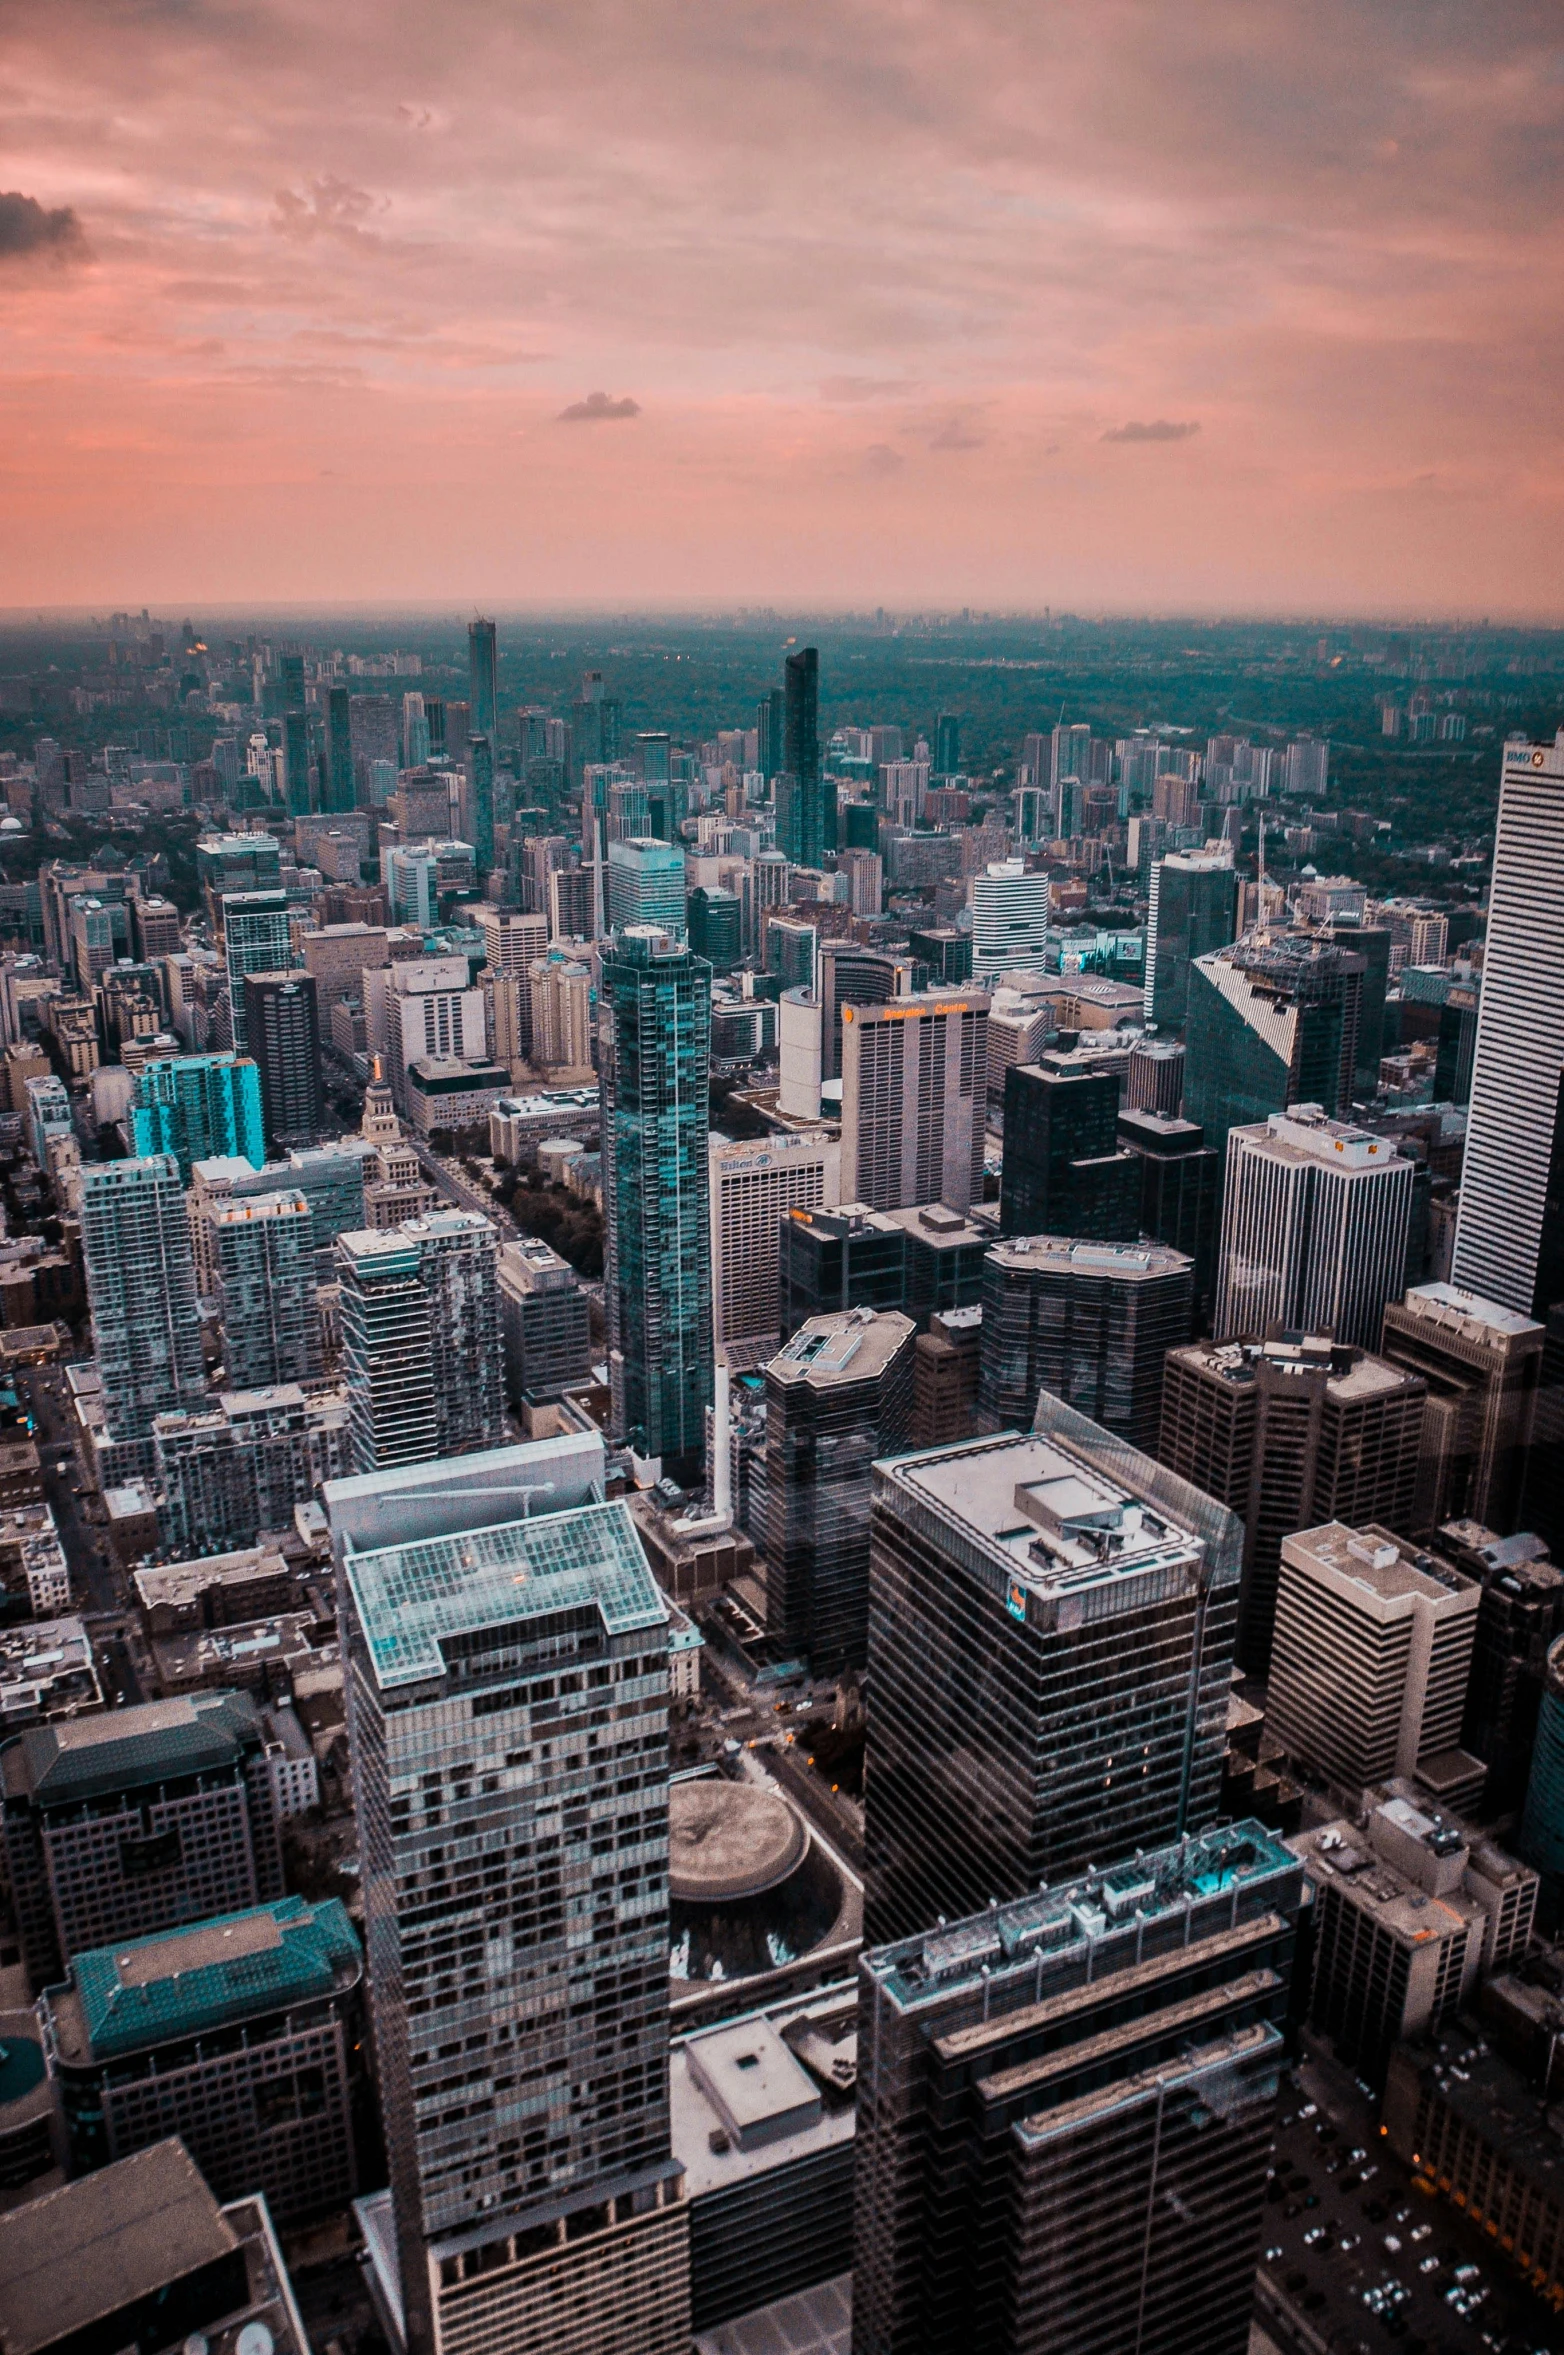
915, 1100
755, 1182
1009, 917
1505, 1246
1314, 1228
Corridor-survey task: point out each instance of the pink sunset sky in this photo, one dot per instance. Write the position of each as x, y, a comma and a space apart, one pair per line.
1144, 304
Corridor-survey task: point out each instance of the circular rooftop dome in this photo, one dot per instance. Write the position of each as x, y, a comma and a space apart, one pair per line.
728, 1841
12, 826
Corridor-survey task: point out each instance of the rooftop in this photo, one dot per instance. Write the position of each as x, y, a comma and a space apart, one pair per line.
1130, 1261
1305, 1133
81, 2254
125, 1749
1468, 1312
123, 1998
848, 1345
765, 2090
1352, 1374
1340, 1854
1383, 1567
411, 1597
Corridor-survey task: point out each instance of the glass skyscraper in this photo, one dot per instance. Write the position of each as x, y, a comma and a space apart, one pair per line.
257, 938
141, 1289
483, 679
657, 1275
806, 799
1194, 899
1272, 1022
421, 1346
197, 1106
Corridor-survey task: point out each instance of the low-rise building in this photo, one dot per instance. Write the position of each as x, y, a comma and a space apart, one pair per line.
545, 1322
235, 2034
259, 1656
47, 1673
519, 1124
33, 1563
218, 1590
444, 1092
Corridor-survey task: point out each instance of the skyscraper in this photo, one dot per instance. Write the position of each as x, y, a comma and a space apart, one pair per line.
264, 1249
755, 1183
947, 745
852, 975
1289, 1433
1065, 2108
1009, 906
480, 773
282, 1029
1180, 1190
257, 938
298, 763
1064, 1172
1194, 900
645, 882
1482, 1363
655, 1086
1272, 1022
146, 1329
1090, 1322
340, 793
1507, 1246
483, 679
421, 1345
914, 1099
1050, 1641
194, 1106
806, 803
838, 1396
1314, 1228
508, 1724
769, 733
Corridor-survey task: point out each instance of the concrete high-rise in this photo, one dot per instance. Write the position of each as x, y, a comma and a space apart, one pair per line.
282, 1028
257, 938
1509, 1237
838, 1396
1289, 1433
263, 1248
914, 1100
755, 1184
1050, 1643
1009, 905
851, 975
1064, 1172
1314, 1228
806, 799
194, 1106
655, 1089
1065, 2109
1090, 1322
421, 1347
141, 1289
1482, 1363
1192, 911
508, 1722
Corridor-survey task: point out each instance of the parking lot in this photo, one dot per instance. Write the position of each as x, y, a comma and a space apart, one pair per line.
1359, 2261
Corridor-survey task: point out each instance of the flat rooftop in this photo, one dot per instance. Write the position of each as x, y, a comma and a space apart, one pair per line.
1339, 1853
1379, 1564
1131, 1262
82, 2253
849, 1345
1449, 1304
773, 2087
1040, 1516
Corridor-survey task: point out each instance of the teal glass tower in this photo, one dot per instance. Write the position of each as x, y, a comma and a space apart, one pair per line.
195, 1106
655, 1091
806, 800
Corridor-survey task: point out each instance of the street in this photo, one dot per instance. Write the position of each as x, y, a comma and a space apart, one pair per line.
95, 1583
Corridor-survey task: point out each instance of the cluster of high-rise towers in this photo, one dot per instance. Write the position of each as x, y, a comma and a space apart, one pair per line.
1096, 1353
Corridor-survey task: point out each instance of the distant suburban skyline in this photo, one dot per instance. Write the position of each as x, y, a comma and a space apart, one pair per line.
1234, 307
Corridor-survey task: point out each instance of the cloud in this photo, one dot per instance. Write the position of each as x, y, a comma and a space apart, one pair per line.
331, 207
28, 228
598, 409
957, 433
880, 460
1160, 429
864, 388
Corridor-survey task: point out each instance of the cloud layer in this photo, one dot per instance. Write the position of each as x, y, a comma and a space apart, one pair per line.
893, 281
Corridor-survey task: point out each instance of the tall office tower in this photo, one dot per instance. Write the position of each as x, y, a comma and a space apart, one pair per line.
1065, 2109
755, 1184
1050, 1644
339, 794
483, 697
806, 804
298, 764
572, 911
236, 2035
716, 926
1194, 903
946, 952
655, 1085
508, 1723
559, 991
1314, 1228
1509, 1237
1069, 752
791, 948
257, 938
545, 1323
282, 1030
415, 731
421, 1346
192, 1106
1482, 1363
119, 1825
1372, 1654
838, 1396
770, 739
1180, 1191
1154, 1081
1457, 1043
921, 1260
1288, 1433
914, 1099
904, 790
512, 941
947, 745
268, 1299
1519, 1619
146, 1327
290, 673
1064, 1172
480, 778
1009, 907
646, 885
594, 726
945, 1367
422, 1007
852, 975
1089, 1322
1272, 1022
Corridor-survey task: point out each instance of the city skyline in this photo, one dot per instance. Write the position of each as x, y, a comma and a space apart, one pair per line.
1259, 323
